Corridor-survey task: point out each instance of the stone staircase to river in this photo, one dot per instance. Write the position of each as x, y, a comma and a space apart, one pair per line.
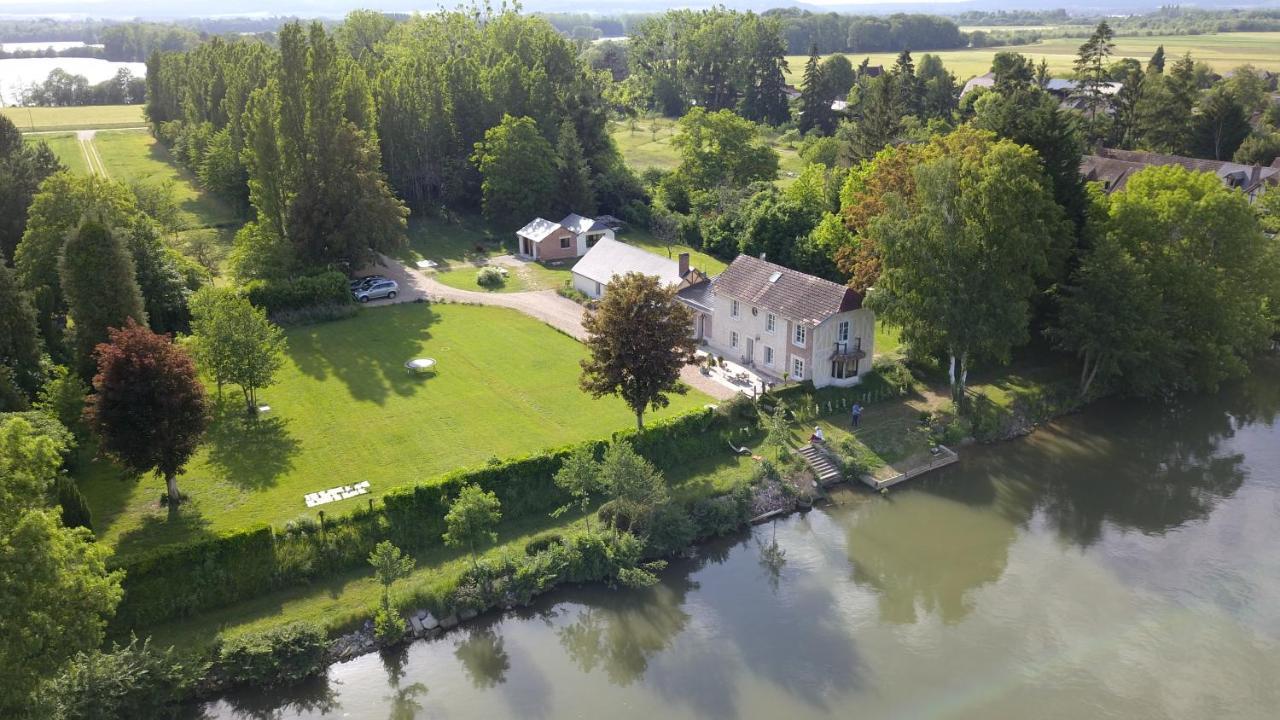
823, 466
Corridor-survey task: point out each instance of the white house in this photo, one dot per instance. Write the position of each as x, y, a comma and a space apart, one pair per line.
571, 237
783, 322
609, 258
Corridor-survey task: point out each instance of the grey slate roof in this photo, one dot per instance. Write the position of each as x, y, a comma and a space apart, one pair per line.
538, 229
794, 295
700, 296
608, 258
1114, 167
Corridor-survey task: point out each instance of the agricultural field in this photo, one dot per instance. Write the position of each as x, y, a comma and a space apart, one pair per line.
344, 410
1223, 51
88, 117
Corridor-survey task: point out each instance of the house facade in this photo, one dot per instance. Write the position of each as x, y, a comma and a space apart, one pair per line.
572, 237
784, 323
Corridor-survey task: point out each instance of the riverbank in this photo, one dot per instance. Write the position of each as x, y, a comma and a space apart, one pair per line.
1119, 559
895, 425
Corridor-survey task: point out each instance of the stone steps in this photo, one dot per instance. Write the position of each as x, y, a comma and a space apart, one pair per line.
822, 465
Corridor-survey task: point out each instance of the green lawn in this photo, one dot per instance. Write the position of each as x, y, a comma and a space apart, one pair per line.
136, 156
344, 410
89, 117
888, 340
1223, 51
68, 149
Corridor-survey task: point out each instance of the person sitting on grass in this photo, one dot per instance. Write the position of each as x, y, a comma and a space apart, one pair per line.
817, 436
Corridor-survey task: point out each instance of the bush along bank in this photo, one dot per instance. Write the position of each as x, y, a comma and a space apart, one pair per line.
181, 580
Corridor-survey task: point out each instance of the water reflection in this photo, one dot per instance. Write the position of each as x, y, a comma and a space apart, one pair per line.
403, 700
619, 634
310, 697
482, 655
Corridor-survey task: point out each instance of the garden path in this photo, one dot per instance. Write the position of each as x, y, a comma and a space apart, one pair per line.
560, 313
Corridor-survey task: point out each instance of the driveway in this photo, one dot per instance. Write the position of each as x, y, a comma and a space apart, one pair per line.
560, 313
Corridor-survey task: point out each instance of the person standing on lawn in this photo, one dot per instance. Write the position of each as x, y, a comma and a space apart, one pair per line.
855, 414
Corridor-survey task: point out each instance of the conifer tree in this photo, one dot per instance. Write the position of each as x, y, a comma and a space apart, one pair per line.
577, 194
815, 106
101, 290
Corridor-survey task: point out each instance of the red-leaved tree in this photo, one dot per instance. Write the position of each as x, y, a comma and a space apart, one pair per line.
148, 408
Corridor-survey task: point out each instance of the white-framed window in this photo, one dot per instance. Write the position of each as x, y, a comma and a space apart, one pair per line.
733, 308
797, 368
770, 323
564, 243
768, 356
799, 337
842, 331
593, 239
733, 339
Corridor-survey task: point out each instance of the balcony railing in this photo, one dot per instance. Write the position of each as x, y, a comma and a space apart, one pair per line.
848, 350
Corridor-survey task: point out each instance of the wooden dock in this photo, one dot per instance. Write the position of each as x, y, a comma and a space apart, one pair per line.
943, 457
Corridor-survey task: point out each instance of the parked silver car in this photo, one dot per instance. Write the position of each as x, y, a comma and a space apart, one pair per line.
376, 291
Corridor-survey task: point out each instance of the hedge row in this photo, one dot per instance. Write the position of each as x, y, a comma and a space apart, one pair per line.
181, 580
274, 296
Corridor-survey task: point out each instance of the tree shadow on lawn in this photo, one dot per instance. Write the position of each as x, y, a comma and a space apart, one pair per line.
162, 527
368, 352
249, 451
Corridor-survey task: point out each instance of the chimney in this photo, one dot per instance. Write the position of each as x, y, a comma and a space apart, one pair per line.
684, 264
762, 256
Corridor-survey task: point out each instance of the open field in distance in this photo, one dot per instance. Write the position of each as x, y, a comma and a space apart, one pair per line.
88, 117
1222, 50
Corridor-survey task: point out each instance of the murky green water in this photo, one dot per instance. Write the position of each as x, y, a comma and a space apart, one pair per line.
1124, 563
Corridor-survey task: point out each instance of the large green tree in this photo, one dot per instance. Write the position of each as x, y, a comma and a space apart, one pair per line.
518, 165
314, 165
1219, 126
1215, 273
638, 340
148, 409
20, 346
99, 283
22, 168
575, 191
235, 342
877, 118
963, 254
55, 590
720, 148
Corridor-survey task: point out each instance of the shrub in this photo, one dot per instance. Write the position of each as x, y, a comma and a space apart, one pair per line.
277, 295
315, 314
130, 681
542, 543
721, 515
670, 530
490, 277
280, 656
182, 579
388, 625
567, 290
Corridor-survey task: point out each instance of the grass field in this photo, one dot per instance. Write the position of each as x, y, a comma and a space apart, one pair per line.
1223, 51
344, 410
206, 224
44, 119
649, 146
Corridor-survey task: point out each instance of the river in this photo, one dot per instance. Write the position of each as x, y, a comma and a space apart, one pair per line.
1121, 563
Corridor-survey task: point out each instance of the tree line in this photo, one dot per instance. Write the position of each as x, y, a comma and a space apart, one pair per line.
64, 89
327, 135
